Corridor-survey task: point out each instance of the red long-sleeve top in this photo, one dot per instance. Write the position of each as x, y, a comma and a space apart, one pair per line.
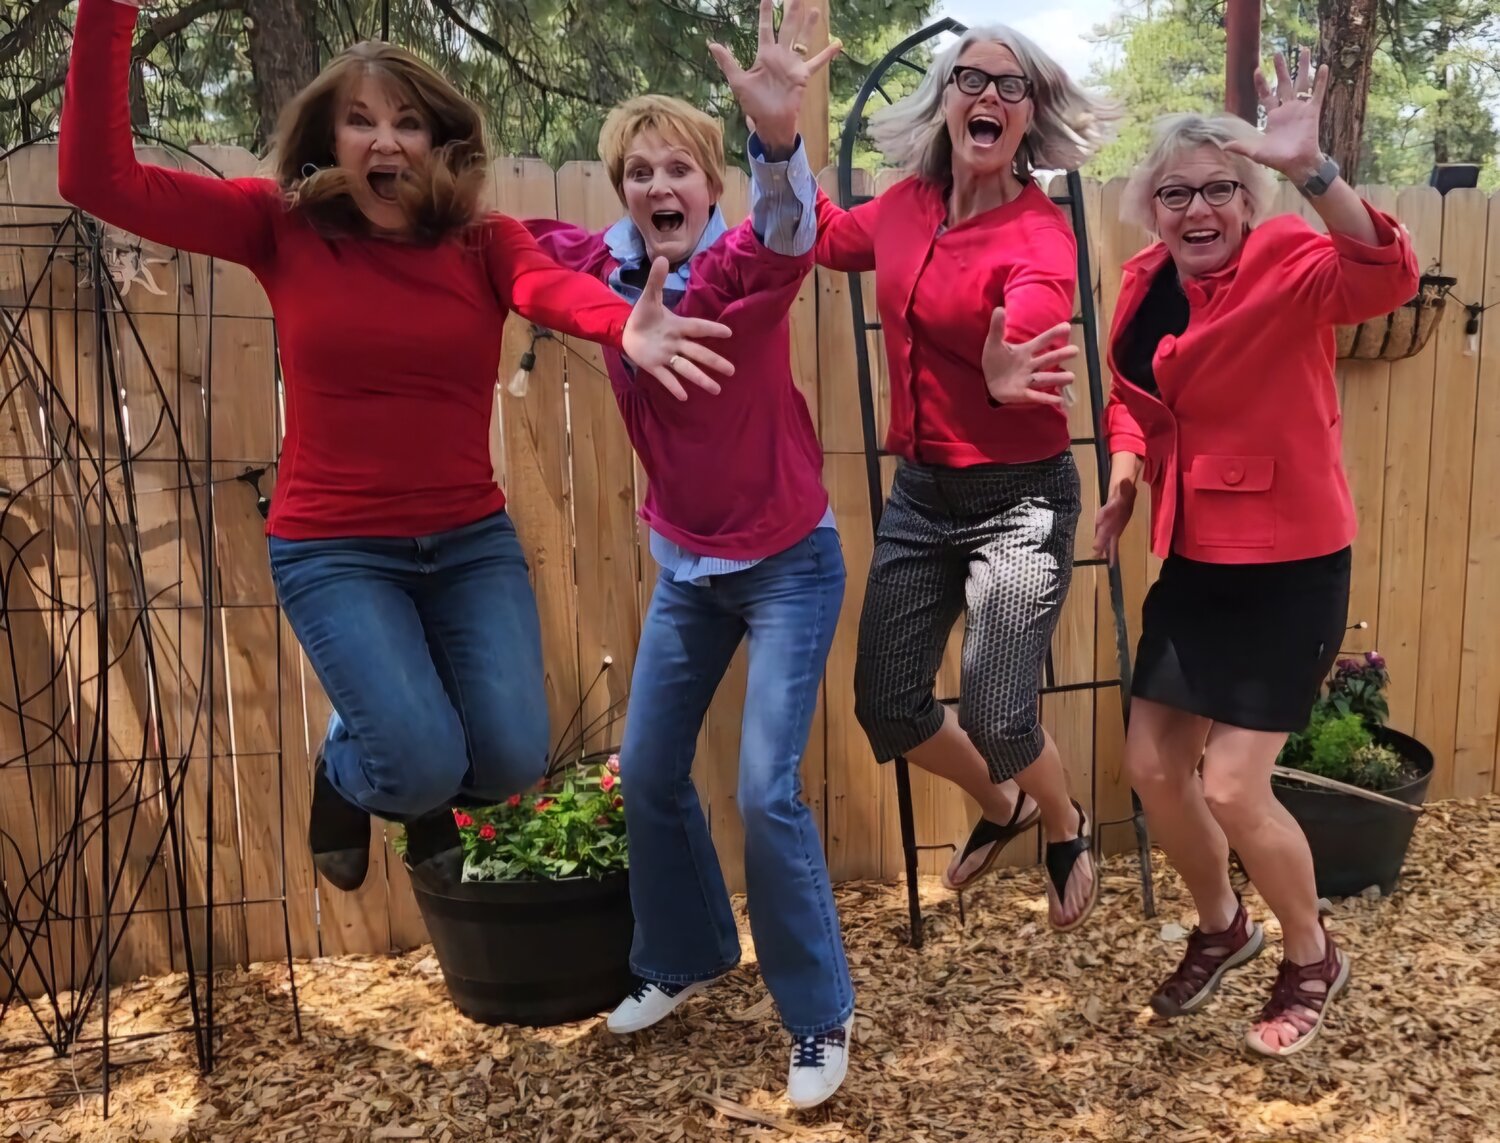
389, 350
936, 287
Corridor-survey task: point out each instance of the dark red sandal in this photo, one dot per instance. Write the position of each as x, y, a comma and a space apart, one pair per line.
1208, 958
997, 837
1291, 1000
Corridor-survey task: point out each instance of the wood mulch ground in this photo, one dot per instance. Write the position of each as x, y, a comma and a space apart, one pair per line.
995, 1031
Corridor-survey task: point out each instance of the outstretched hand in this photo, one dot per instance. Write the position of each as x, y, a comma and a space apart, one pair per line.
1026, 373
666, 346
770, 91
1289, 143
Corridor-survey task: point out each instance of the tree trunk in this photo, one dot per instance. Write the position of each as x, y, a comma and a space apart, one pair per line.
1346, 43
1441, 40
283, 54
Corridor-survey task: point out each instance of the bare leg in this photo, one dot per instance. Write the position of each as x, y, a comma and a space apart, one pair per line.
1237, 785
1046, 782
1162, 752
950, 754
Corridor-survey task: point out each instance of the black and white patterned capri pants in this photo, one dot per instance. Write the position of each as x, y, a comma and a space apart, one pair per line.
998, 540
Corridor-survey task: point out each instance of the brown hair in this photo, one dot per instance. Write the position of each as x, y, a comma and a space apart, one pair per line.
699, 134
442, 198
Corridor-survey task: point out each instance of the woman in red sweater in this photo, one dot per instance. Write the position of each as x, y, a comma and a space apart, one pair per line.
391, 552
976, 271
1223, 352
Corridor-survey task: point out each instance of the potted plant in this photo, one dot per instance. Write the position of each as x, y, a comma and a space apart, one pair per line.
1348, 777
538, 931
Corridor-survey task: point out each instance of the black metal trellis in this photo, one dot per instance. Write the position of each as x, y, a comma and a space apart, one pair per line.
68, 870
900, 57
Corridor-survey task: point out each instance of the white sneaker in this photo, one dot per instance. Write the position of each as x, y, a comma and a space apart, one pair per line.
819, 1064
649, 1003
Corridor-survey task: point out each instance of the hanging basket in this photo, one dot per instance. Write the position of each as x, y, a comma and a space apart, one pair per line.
1401, 333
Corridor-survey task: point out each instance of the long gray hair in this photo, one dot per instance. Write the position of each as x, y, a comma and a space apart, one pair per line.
1068, 125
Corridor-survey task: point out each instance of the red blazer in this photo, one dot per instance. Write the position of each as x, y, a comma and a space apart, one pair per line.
1021, 255
1243, 448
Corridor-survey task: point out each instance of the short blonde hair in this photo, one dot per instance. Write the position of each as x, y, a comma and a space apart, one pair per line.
1068, 124
700, 135
1175, 136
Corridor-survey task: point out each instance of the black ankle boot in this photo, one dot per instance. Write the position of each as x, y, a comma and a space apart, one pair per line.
434, 850
338, 833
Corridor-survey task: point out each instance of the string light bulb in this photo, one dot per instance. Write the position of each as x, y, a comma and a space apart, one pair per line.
520, 380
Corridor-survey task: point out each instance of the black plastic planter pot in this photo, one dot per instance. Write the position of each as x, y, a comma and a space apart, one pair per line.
532, 952
1355, 842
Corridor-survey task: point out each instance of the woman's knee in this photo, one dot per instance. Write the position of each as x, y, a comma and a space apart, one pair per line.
420, 769
892, 719
508, 750
1233, 797
1163, 748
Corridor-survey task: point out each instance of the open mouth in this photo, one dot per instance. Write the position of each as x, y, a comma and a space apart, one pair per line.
383, 182
1200, 237
667, 221
985, 131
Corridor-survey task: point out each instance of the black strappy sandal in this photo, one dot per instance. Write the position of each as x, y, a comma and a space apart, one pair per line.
1061, 857
997, 836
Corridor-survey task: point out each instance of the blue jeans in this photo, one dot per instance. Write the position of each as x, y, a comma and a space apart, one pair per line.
685, 931
430, 650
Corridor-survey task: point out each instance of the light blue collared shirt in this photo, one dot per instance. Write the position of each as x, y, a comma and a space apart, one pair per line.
783, 214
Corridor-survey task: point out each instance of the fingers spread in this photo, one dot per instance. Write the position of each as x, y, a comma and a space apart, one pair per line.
705, 357
690, 372
669, 382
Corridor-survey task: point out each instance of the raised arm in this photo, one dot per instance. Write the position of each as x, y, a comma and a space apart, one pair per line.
98, 171
653, 338
1365, 265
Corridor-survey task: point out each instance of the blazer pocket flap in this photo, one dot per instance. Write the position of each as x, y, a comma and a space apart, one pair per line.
1233, 473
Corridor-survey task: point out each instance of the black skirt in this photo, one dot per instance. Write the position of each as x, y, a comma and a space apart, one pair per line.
1248, 645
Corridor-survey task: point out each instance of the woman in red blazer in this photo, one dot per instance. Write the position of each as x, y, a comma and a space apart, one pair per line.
1222, 352
976, 270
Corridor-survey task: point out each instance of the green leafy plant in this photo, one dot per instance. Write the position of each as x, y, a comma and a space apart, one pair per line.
1338, 742
572, 825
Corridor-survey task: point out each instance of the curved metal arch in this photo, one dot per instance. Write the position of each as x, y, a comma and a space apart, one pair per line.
1072, 202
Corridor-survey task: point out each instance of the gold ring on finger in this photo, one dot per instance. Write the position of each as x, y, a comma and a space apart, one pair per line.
800, 48
672, 365
1304, 95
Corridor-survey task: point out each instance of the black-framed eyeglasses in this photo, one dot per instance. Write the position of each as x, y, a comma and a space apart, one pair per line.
1179, 197
973, 81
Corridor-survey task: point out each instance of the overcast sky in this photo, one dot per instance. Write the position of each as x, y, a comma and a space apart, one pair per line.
1058, 28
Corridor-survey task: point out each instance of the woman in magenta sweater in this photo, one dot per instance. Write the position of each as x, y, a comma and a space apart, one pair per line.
1250, 512
741, 528
975, 278
391, 551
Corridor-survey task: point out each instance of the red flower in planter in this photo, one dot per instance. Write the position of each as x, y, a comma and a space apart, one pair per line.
602, 820
619, 802
487, 832
461, 819
608, 782
543, 803
513, 801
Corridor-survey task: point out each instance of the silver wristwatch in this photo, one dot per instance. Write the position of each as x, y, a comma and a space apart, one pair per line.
1321, 179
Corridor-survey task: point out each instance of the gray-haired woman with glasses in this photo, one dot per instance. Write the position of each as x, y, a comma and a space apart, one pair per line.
976, 271
1222, 353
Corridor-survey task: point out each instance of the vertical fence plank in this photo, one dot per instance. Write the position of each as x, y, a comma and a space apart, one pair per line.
1452, 465
1365, 398
607, 560
1408, 445
1475, 771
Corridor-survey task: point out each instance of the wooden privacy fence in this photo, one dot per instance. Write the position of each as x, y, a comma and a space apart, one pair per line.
1422, 443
